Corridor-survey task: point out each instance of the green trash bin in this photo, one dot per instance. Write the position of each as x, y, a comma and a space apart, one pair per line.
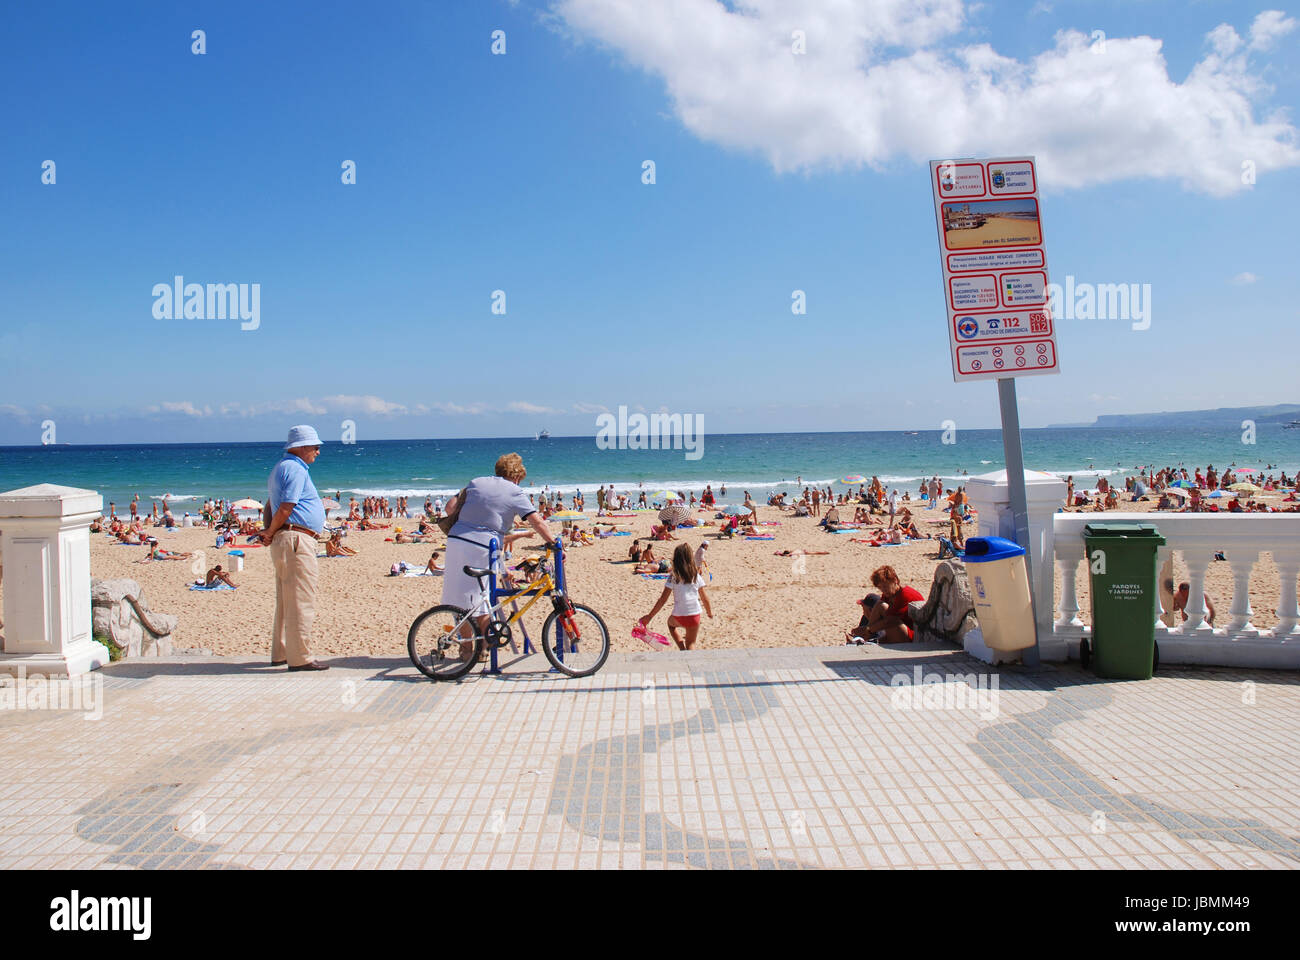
1121, 558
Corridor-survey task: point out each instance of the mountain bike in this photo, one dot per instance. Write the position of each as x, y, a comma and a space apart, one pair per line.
445, 642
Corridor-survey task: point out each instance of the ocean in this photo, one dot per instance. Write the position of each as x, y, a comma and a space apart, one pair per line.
758, 462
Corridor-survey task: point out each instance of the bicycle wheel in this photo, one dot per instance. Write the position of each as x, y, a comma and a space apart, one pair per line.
585, 641
437, 647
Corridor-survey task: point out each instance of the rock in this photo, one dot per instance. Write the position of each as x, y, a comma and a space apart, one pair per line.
120, 613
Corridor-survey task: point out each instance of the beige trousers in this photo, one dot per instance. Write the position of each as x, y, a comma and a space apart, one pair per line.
296, 566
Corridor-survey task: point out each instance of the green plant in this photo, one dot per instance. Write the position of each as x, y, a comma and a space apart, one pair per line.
114, 651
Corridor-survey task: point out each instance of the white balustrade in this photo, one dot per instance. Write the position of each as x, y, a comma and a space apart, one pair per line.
1233, 640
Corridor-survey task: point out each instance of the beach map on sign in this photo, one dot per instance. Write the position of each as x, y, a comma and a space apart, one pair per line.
994, 268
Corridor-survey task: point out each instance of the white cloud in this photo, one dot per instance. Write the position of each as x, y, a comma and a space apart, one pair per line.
367, 404
456, 409
185, 407
13, 410
1268, 26
876, 87
1244, 278
590, 408
522, 406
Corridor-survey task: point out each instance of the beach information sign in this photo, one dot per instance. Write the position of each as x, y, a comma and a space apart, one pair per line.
994, 268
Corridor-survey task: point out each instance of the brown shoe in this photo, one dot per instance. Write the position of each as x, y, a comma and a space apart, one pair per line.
278, 663
310, 665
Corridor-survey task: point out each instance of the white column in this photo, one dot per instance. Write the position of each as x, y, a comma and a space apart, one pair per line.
1288, 614
1197, 560
1243, 562
1068, 555
1164, 555
46, 544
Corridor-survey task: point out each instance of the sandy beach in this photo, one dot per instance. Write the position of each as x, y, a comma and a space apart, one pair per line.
759, 599
995, 231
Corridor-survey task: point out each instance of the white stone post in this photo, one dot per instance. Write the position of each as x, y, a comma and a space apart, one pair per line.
1288, 611
1068, 556
1243, 562
45, 532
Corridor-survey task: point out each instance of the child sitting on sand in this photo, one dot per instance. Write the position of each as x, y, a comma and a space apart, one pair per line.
334, 546
686, 587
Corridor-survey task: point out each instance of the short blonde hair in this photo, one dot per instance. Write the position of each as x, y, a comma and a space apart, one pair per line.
511, 466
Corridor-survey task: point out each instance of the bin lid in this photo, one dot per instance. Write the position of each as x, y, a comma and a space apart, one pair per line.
1122, 529
235, 553
984, 549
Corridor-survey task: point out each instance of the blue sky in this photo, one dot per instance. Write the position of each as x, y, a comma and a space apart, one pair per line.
522, 172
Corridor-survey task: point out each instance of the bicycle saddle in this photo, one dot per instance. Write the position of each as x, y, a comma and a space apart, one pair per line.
478, 572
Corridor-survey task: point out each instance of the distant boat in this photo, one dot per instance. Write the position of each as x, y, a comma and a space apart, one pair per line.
544, 435
1293, 425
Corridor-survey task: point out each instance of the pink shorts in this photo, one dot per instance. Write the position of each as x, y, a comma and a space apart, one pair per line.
691, 621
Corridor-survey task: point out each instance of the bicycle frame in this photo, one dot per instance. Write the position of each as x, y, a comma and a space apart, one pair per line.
545, 585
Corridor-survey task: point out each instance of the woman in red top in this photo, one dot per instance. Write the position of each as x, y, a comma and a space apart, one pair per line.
890, 617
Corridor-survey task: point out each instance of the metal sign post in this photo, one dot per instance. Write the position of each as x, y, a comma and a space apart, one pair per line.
1014, 456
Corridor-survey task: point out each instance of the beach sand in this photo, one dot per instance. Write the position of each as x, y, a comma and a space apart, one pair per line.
995, 231
759, 600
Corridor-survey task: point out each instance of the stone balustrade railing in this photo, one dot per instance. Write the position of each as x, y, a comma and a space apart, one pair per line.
1196, 537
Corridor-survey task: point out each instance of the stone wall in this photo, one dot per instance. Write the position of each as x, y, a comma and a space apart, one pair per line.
119, 612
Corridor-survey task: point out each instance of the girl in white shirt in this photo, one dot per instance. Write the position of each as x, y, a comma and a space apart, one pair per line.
686, 587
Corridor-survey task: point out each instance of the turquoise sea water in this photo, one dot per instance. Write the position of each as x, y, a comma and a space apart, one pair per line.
755, 462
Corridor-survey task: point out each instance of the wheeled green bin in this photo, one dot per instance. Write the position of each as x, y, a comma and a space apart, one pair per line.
1121, 558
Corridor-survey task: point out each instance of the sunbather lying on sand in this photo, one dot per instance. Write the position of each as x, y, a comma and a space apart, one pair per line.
158, 553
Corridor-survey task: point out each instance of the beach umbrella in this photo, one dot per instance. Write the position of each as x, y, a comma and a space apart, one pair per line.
854, 479
247, 504
568, 515
1215, 495
664, 495
735, 510
1177, 492
1245, 487
674, 514
329, 503
1185, 484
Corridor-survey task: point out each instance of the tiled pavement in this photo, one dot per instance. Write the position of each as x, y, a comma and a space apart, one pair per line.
762, 759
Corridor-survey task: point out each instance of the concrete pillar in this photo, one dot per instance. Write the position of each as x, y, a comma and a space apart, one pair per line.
991, 496
45, 532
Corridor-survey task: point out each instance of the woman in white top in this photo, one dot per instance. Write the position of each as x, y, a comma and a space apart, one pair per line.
686, 587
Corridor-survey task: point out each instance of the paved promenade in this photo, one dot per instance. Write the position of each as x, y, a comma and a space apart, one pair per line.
790, 759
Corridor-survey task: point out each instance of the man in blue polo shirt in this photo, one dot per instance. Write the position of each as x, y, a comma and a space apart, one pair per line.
297, 519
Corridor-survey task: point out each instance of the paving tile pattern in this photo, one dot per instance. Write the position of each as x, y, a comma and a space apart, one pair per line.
767, 759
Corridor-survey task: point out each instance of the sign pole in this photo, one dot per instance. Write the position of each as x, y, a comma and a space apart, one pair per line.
1014, 457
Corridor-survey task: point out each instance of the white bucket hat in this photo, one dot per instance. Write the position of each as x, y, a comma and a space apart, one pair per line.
302, 436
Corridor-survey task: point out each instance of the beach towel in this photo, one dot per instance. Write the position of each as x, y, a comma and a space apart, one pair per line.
618, 533
849, 530
341, 556
620, 514
654, 576
412, 573
760, 538
215, 586
769, 523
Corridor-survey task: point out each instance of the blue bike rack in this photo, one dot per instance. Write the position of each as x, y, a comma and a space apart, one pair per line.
494, 557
